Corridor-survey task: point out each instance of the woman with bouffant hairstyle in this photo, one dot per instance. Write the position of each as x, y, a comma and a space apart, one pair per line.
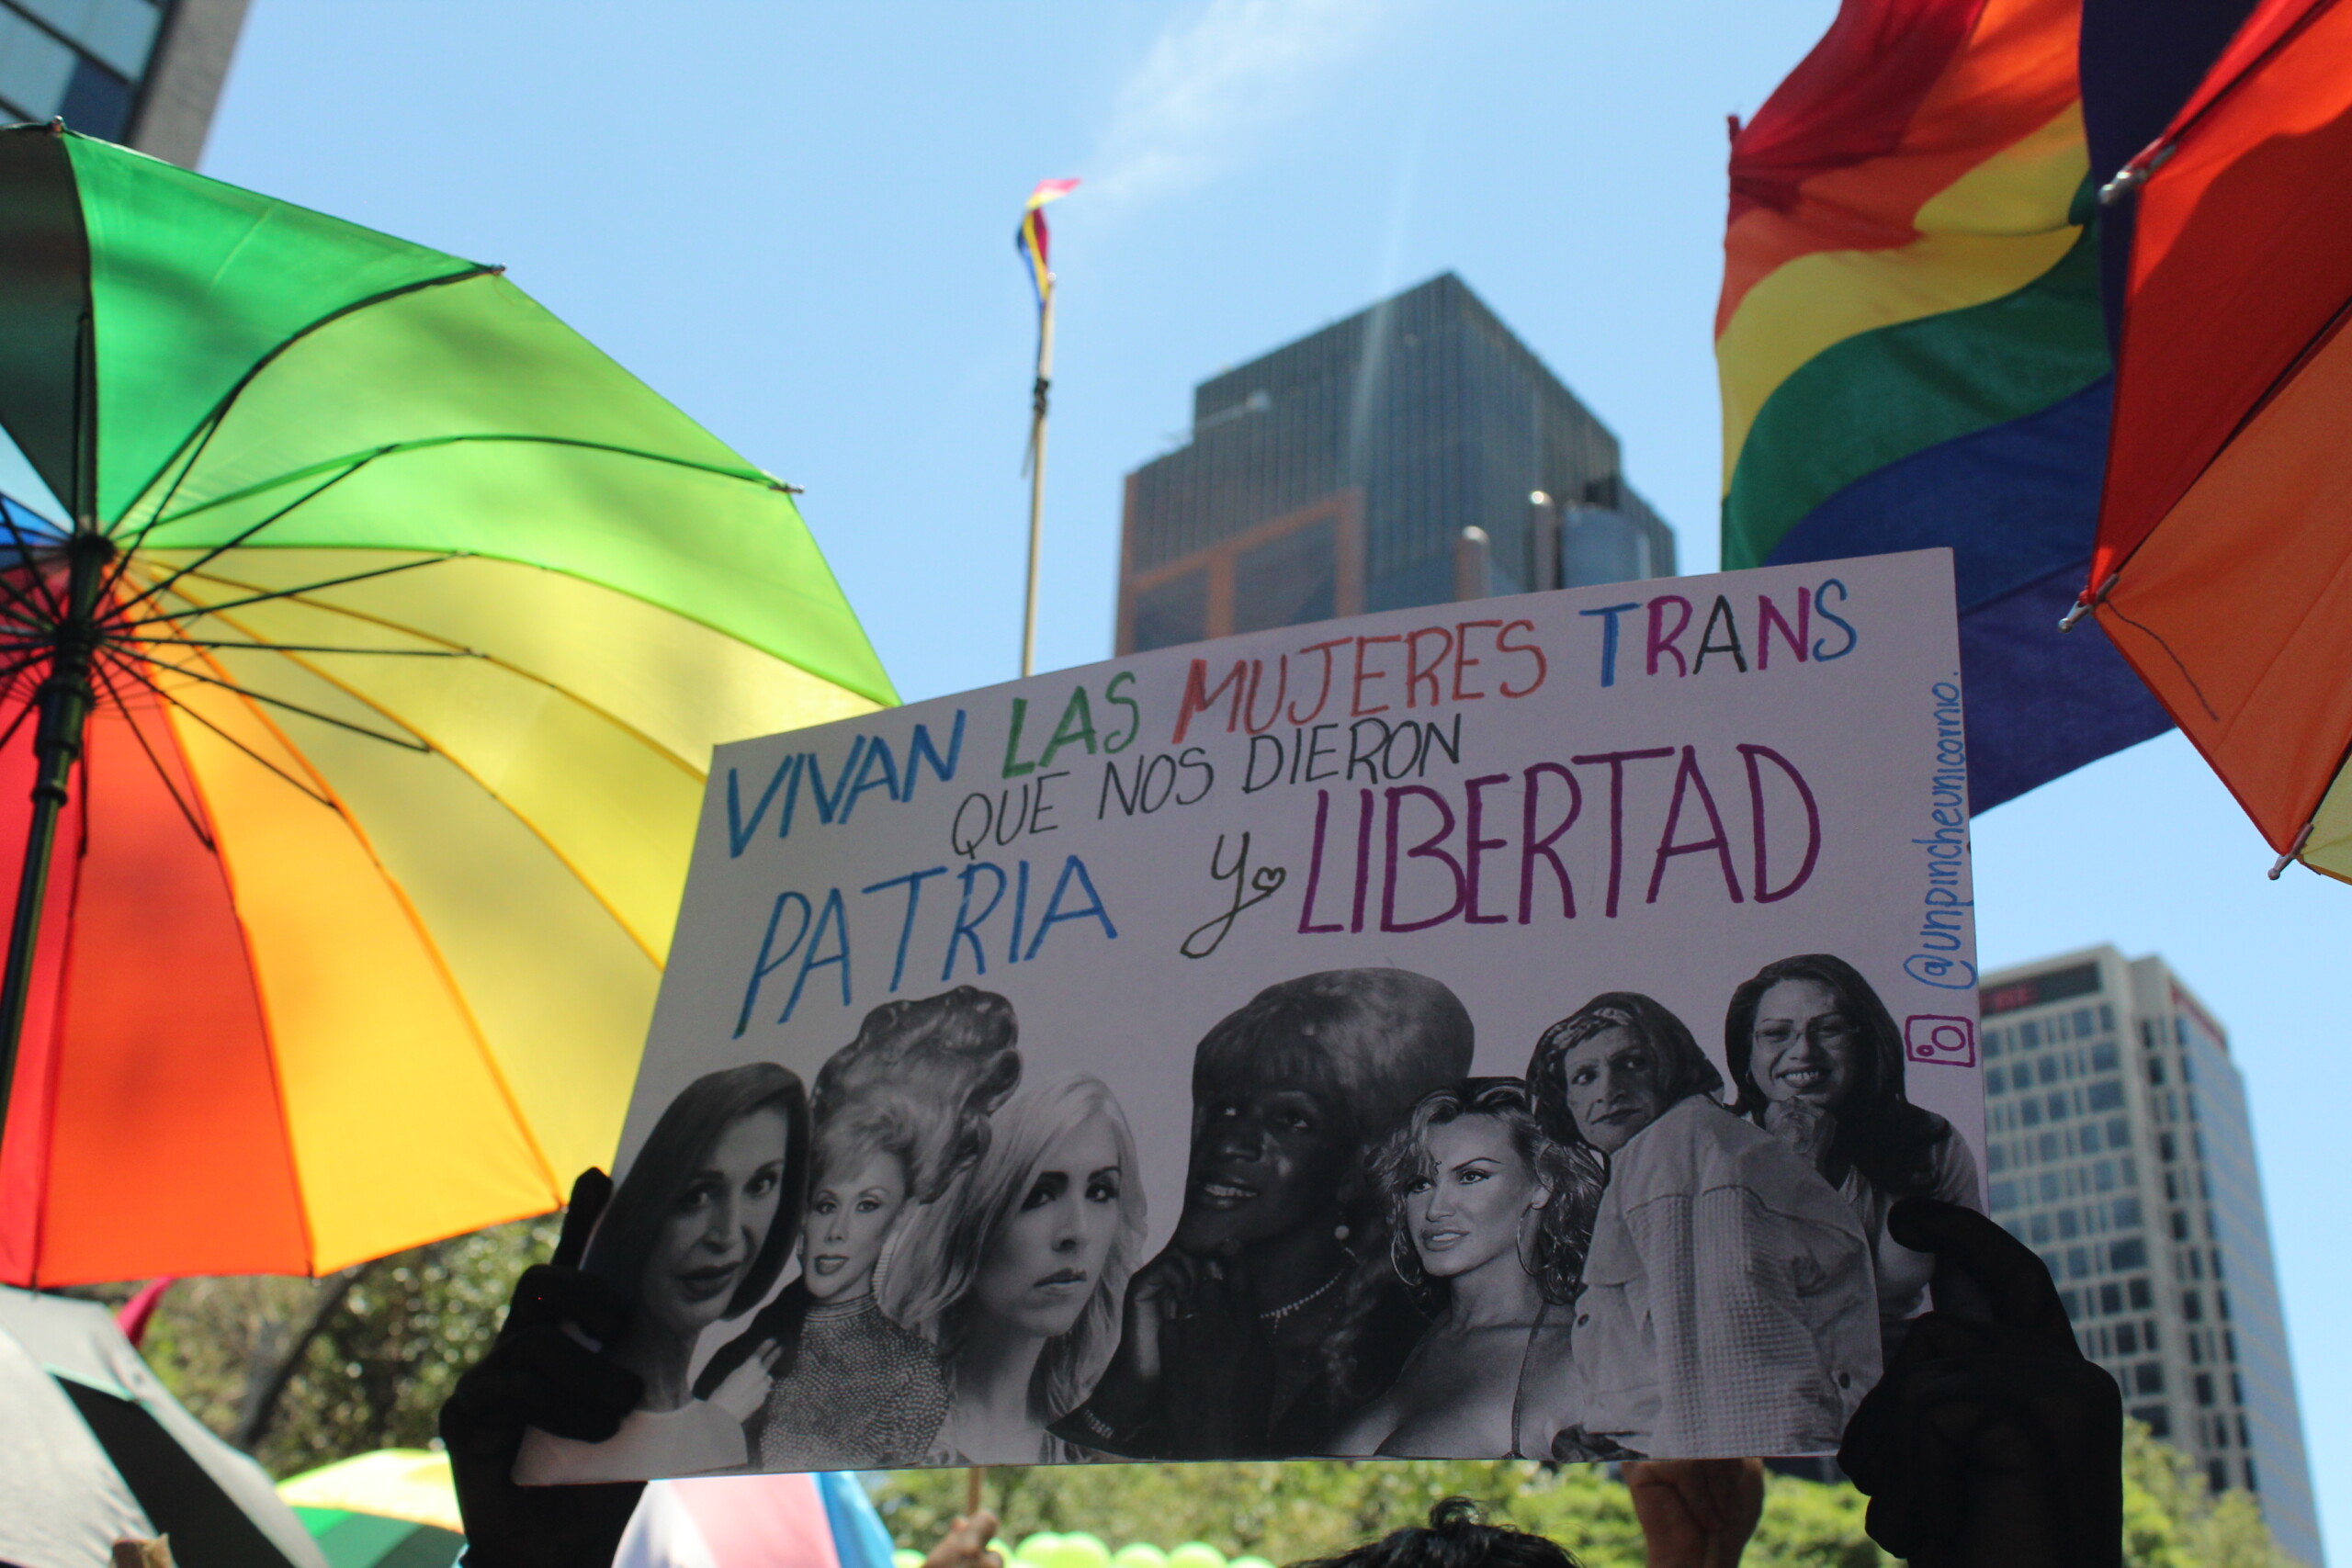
1241, 1339
829, 1378
1818, 1062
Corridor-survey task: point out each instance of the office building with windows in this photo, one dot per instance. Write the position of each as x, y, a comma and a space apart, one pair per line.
2120, 1150
1416, 453
143, 73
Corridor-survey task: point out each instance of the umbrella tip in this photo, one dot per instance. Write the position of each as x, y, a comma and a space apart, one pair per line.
56, 125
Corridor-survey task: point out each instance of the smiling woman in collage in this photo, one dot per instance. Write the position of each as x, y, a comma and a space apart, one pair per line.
696, 1232
1818, 1062
1483, 1214
1726, 1305
823, 1378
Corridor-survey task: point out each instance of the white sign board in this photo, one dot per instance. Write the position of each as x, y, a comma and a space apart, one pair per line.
1476, 1029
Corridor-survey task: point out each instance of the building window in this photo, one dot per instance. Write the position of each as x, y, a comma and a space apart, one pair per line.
2148, 1376
2127, 1339
2129, 1253
2155, 1418
2204, 1391
1289, 581
97, 100
2105, 1095
2111, 1299
2217, 1473
2249, 1476
2127, 1212
1173, 613
2039, 1228
2069, 1227
2192, 1306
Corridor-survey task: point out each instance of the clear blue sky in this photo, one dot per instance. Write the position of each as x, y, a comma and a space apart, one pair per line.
795, 220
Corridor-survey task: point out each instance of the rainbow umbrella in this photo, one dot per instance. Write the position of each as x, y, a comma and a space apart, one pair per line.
397, 1508
391, 1508
354, 718
2223, 570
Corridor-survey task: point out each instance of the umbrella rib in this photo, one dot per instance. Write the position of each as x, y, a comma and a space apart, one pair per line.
251, 695
202, 609
193, 452
428, 443
293, 647
56, 606
225, 546
105, 673
211, 422
23, 713
149, 682
602, 713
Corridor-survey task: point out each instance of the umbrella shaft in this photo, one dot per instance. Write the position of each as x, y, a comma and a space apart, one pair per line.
64, 698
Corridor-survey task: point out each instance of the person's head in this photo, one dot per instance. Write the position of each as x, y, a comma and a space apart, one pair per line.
1288, 1088
1469, 1177
1614, 1066
1810, 1029
1038, 1243
900, 1112
701, 1226
1454, 1538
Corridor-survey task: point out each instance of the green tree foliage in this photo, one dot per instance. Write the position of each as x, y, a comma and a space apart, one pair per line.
1290, 1511
2171, 1519
303, 1372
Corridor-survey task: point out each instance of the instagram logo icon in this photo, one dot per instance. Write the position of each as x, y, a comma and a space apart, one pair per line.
1950, 1041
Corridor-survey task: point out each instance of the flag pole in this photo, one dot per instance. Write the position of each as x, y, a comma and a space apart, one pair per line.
1038, 398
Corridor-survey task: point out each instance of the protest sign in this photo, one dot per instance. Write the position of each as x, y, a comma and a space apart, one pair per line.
1482, 1029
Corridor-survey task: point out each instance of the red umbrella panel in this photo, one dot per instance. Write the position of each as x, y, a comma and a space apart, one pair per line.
2223, 570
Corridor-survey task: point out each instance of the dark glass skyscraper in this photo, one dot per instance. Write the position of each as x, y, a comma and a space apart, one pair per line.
1415, 453
145, 72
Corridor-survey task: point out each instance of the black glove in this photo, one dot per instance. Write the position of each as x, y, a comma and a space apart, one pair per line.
535, 1374
1990, 1442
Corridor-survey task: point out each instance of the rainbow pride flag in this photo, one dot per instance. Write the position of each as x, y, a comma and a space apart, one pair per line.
1911, 351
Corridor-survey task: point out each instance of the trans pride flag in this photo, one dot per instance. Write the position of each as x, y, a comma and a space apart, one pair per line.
1911, 351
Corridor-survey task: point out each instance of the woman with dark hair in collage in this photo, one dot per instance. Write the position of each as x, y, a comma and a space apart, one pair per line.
1239, 1340
698, 1232
1726, 1305
823, 1376
1483, 1213
1818, 1062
